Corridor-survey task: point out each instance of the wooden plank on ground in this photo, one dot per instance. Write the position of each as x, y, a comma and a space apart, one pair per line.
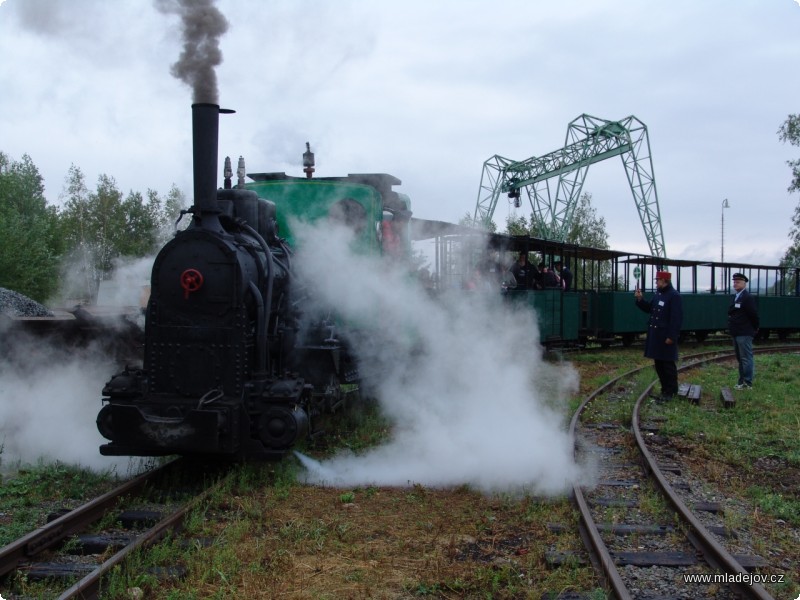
695, 391
655, 559
728, 401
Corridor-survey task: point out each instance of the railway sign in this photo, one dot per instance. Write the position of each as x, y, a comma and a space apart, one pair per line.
637, 272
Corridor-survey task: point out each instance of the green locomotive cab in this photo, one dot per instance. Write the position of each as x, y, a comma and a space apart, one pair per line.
378, 216
379, 219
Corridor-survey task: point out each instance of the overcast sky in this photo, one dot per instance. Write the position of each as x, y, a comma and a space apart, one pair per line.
427, 91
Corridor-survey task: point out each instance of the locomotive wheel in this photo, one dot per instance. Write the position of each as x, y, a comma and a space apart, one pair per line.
104, 423
281, 426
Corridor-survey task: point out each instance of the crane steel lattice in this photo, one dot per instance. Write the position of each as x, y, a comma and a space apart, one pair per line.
589, 140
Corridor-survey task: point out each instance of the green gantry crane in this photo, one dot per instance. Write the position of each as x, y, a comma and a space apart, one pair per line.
589, 140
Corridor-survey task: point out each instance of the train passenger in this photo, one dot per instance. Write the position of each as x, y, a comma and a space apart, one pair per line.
743, 325
494, 271
390, 240
523, 272
550, 278
426, 280
482, 280
565, 274
666, 317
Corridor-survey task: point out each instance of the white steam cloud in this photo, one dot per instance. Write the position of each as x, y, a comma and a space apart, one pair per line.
49, 400
50, 390
460, 377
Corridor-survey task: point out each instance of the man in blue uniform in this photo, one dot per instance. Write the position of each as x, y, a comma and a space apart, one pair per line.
666, 317
743, 326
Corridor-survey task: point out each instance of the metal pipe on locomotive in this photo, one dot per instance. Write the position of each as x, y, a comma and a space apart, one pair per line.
220, 331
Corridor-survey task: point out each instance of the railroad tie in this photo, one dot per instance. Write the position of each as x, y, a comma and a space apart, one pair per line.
55, 570
695, 391
728, 401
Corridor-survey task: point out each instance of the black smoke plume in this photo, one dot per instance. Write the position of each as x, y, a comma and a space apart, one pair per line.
203, 25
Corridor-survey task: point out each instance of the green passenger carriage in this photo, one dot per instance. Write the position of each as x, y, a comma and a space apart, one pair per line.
599, 305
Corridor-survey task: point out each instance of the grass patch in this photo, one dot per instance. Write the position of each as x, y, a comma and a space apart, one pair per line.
599, 368
760, 434
779, 505
385, 543
272, 537
750, 452
357, 427
27, 496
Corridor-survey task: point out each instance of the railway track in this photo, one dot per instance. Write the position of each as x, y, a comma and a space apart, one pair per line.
690, 343
646, 532
74, 551
624, 489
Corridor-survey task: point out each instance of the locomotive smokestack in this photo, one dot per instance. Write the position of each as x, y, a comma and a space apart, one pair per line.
205, 141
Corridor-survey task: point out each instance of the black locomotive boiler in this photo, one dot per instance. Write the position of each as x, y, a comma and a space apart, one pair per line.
220, 333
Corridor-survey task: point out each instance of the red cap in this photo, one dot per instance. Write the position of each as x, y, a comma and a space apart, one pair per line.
665, 275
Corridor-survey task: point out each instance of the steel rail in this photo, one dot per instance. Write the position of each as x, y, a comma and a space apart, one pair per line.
72, 522
598, 548
89, 587
713, 552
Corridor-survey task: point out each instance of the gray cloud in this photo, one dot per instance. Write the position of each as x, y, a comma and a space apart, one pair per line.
410, 90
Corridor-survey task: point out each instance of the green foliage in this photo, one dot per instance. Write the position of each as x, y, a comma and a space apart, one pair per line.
25, 495
790, 132
99, 227
791, 257
29, 245
168, 216
517, 226
469, 221
39, 245
586, 228
782, 506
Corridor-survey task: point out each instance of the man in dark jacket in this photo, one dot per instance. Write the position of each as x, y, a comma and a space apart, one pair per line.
521, 271
743, 326
666, 317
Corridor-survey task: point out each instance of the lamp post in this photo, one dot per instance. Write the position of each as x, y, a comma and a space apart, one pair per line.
725, 205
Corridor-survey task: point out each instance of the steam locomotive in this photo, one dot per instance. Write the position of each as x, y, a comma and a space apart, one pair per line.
225, 372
